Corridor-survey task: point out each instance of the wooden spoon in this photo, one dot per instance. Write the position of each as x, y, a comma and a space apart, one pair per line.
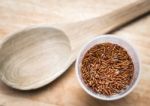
36, 56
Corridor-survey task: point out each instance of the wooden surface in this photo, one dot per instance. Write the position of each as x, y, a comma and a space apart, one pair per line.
65, 91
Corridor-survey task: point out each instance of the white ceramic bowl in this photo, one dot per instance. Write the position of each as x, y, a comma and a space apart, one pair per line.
131, 51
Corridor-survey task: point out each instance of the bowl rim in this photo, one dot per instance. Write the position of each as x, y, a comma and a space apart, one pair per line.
98, 96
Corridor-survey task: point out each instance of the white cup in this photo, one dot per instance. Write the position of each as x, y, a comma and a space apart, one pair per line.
131, 51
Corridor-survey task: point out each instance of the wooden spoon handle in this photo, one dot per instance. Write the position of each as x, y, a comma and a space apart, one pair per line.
110, 21
81, 32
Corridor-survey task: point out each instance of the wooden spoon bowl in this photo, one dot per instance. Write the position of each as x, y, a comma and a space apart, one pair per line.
33, 57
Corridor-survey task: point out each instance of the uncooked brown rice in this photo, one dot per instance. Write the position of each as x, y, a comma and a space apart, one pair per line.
107, 69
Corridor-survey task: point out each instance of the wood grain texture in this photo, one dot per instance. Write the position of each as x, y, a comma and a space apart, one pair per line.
29, 57
66, 91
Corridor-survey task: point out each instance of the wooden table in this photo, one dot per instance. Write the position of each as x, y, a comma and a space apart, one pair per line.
65, 91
